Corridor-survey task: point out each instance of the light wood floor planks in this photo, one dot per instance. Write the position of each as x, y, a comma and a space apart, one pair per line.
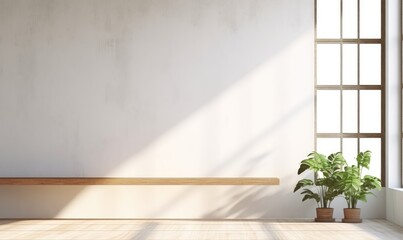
195, 229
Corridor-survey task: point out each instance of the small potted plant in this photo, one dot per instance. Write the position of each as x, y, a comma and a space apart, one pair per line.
323, 187
355, 188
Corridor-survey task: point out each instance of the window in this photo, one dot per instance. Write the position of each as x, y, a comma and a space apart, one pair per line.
350, 79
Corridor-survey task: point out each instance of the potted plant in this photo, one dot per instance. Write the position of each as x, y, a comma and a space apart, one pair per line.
323, 187
356, 188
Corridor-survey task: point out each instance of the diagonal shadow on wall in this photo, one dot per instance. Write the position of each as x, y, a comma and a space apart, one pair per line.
130, 78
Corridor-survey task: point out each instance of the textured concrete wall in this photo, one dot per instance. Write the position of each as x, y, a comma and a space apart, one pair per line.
168, 88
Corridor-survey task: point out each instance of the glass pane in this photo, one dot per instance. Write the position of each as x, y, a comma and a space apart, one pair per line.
328, 18
350, 148
350, 18
350, 64
370, 111
327, 146
350, 111
328, 64
370, 64
374, 145
328, 111
370, 19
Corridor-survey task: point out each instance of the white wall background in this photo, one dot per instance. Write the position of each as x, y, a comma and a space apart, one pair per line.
178, 88
394, 210
394, 193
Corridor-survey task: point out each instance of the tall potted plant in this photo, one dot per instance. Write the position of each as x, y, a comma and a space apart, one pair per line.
323, 187
355, 187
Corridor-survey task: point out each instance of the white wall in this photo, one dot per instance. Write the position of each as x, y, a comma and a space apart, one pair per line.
153, 88
393, 91
394, 209
178, 88
394, 193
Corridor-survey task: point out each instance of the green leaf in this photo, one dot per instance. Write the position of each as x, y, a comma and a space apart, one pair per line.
302, 168
303, 183
337, 161
371, 182
362, 197
310, 195
364, 159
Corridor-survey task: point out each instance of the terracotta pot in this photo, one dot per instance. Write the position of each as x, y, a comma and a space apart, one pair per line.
324, 215
352, 215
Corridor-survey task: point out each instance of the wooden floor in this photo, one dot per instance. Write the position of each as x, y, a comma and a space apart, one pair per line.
194, 229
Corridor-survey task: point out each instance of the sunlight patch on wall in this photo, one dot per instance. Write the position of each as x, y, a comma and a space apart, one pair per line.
261, 105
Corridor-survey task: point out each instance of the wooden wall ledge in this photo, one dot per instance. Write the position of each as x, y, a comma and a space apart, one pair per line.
140, 181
